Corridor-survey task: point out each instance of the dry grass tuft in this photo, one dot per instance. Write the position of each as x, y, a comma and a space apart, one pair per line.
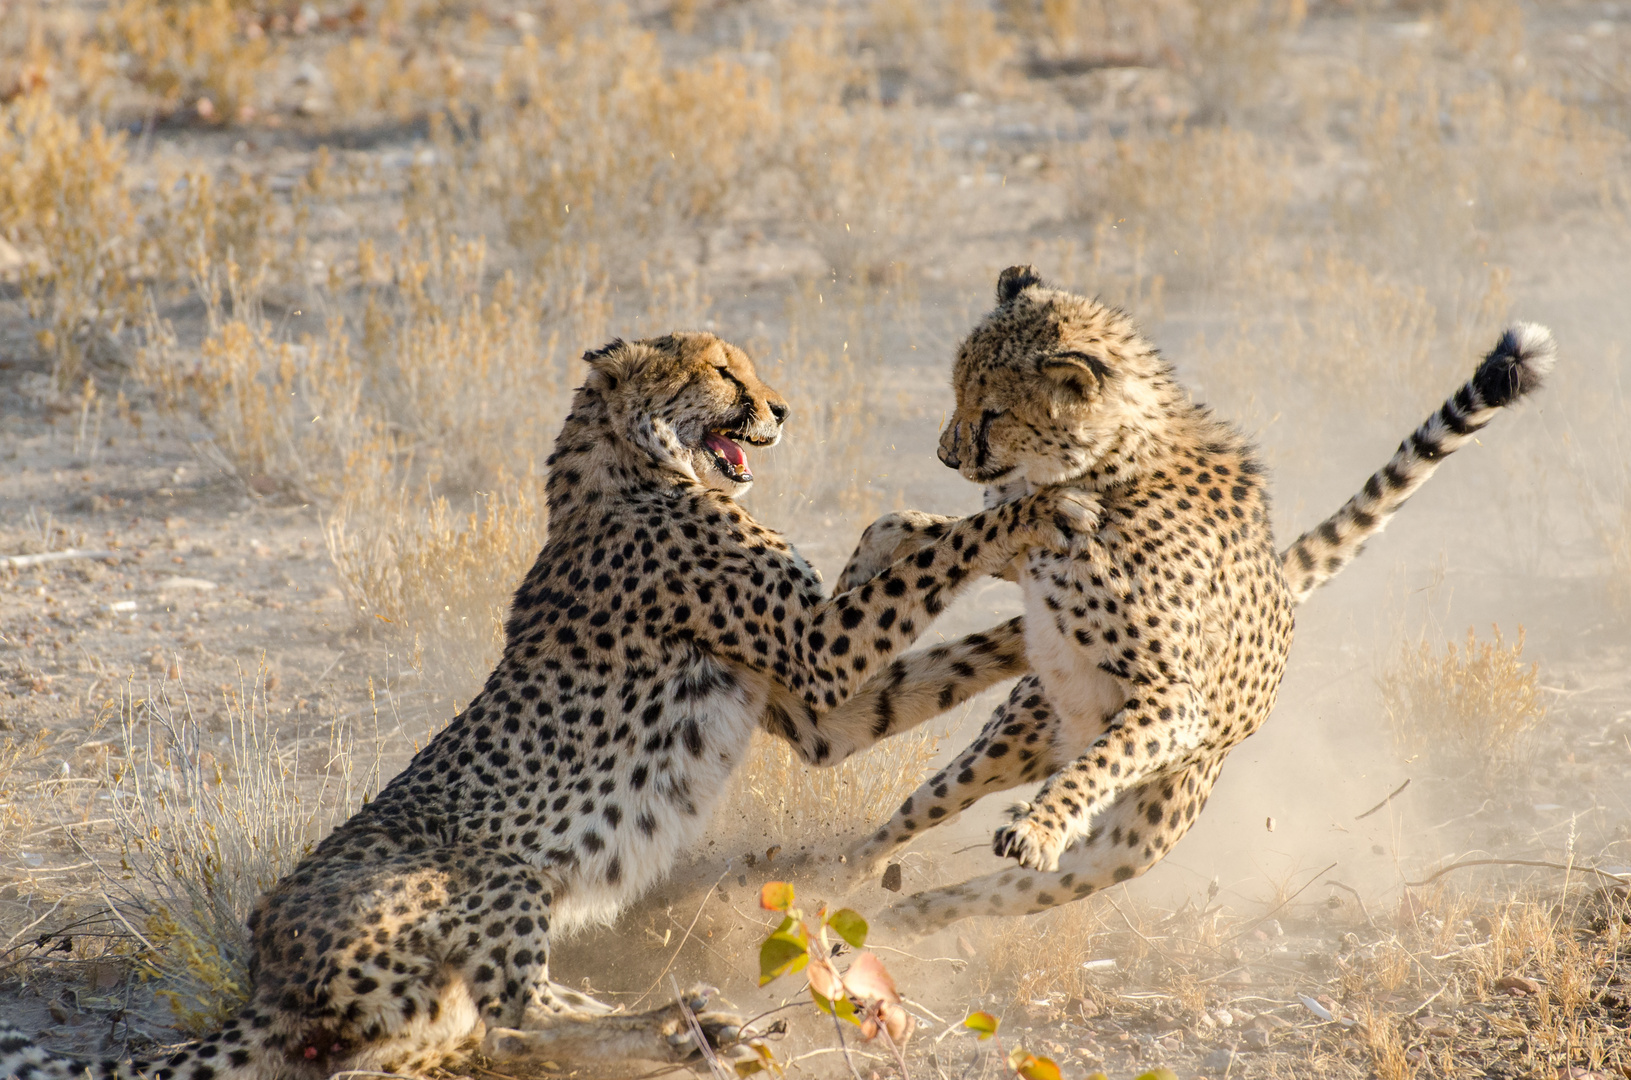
69, 229
1475, 706
208, 820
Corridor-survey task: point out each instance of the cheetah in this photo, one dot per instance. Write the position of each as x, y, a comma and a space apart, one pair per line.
1159, 645
659, 626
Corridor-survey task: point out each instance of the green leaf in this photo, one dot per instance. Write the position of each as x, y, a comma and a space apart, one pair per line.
1158, 1074
843, 1008
848, 925
776, 896
982, 1022
780, 954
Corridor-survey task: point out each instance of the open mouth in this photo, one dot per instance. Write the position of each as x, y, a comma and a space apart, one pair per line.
728, 456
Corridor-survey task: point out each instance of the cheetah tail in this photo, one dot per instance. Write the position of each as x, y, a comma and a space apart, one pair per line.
21, 1058
1515, 368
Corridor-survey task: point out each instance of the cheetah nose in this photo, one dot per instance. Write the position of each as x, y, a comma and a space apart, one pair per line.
948, 454
779, 411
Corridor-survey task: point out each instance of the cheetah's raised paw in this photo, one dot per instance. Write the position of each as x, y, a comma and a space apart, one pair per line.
1058, 518
893, 536
1037, 846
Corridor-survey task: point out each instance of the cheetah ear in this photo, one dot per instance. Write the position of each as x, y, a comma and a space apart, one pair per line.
1079, 373
1015, 280
596, 358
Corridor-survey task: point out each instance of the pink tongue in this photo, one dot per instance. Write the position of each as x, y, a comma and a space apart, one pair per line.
730, 450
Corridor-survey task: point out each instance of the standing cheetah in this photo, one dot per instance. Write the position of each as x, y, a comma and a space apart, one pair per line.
658, 628
1158, 645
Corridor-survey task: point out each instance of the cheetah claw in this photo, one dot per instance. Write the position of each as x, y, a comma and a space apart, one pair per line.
1060, 518
696, 997
1035, 847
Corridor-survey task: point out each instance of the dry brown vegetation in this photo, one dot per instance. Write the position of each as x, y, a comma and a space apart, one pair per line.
344, 256
1472, 708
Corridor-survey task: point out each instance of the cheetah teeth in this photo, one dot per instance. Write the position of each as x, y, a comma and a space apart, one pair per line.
728, 455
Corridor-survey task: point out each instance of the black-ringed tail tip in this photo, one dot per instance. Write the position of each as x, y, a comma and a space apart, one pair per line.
1514, 369
1517, 366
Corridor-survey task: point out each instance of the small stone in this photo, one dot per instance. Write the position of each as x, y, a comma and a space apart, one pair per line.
1518, 985
1257, 1039
1220, 1061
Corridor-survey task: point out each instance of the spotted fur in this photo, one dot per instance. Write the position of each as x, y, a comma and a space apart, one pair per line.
658, 628
1160, 644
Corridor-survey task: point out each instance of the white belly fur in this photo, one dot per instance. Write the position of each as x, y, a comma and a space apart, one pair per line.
1083, 695
731, 716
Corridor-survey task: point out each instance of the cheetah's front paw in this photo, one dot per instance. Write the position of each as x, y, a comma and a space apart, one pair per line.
1059, 518
892, 537
1035, 845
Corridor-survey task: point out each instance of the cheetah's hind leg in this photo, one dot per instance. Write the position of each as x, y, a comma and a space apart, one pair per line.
1129, 836
1015, 747
662, 1035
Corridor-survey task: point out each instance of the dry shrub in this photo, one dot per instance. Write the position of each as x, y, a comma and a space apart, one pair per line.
1234, 51
1475, 706
1487, 32
55, 48
453, 391
21, 756
387, 77
283, 415
1040, 958
867, 184
1099, 30
948, 47
1342, 330
439, 578
205, 222
187, 50
1202, 198
474, 379
602, 139
208, 823
70, 227
1229, 50
1448, 169
1385, 1043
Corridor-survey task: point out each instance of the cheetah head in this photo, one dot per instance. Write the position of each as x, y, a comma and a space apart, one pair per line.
1050, 385
690, 402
